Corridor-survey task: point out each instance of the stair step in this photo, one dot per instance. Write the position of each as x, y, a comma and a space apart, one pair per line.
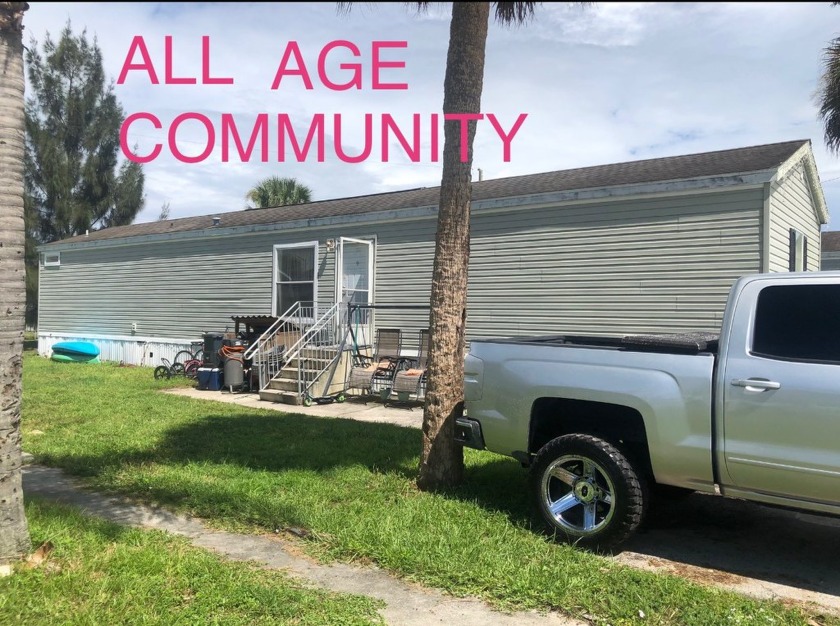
284, 397
315, 358
310, 363
317, 353
284, 384
290, 373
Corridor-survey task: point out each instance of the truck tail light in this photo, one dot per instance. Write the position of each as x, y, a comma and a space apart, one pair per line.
473, 378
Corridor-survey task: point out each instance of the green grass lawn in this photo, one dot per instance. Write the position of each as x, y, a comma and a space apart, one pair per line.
101, 573
351, 484
30, 340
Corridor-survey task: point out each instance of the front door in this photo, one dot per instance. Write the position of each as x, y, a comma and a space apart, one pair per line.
354, 273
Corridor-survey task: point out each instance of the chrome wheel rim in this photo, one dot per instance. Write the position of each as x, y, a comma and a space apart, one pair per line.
578, 495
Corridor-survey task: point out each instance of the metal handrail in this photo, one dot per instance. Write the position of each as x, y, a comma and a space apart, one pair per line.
266, 355
272, 361
320, 337
269, 334
316, 327
323, 346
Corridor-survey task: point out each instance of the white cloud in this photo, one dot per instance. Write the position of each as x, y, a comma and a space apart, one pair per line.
608, 24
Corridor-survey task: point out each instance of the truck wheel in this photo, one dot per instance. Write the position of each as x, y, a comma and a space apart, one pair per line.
587, 491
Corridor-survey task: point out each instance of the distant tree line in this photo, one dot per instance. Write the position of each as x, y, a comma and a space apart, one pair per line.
74, 179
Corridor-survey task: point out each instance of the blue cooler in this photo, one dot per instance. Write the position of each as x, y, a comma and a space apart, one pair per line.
209, 378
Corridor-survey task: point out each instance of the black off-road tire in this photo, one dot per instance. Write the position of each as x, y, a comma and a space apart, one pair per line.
602, 505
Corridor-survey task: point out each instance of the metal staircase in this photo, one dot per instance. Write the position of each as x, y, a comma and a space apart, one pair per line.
297, 357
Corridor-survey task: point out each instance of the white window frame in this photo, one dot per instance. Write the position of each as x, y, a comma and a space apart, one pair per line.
276, 270
798, 251
46, 262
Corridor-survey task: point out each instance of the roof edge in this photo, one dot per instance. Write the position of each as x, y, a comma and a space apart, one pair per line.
513, 203
805, 155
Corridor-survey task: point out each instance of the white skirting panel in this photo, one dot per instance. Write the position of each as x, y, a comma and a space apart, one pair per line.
144, 351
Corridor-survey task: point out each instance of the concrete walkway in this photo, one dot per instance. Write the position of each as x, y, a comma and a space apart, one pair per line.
406, 605
410, 415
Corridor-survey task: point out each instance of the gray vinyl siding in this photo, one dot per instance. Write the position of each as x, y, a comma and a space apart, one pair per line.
791, 206
404, 262
326, 273
175, 289
830, 261
658, 265
643, 265
648, 265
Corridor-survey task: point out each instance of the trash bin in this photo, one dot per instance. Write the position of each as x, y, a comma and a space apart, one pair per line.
212, 345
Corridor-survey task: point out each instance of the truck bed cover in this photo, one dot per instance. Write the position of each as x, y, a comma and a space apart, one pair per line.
677, 343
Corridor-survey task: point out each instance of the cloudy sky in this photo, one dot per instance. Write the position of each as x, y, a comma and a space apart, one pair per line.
605, 84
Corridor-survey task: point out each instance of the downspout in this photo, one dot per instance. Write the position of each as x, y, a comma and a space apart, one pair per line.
38, 317
764, 245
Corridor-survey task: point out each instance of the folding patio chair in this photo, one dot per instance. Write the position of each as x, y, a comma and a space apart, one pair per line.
412, 381
380, 369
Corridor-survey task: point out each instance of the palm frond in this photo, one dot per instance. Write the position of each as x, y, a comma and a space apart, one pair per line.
276, 191
828, 96
519, 13
514, 12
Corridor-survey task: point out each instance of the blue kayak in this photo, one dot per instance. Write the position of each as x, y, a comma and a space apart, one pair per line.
74, 358
76, 348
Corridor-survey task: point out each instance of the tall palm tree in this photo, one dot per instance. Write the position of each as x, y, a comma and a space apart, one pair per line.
828, 95
442, 460
276, 191
14, 533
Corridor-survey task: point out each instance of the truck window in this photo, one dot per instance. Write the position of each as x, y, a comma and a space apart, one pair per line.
798, 322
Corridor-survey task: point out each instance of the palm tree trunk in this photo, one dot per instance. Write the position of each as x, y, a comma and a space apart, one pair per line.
442, 463
14, 534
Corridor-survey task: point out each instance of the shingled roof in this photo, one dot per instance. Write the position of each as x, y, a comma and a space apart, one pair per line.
719, 163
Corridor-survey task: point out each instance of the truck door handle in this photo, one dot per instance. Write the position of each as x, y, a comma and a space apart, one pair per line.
755, 384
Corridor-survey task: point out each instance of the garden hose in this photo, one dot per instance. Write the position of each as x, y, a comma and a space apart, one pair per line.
232, 352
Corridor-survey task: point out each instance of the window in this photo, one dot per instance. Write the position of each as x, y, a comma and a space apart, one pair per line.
294, 276
798, 322
798, 252
51, 259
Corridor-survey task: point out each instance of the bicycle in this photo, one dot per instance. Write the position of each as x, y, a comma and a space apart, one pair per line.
187, 368
188, 363
168, 369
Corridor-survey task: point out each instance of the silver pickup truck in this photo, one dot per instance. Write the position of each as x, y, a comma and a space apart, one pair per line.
607, 423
